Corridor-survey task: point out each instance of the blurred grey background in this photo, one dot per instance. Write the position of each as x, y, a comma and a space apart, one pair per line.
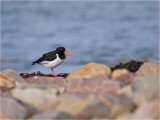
103, 32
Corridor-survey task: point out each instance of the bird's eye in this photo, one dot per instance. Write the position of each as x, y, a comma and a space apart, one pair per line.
61, 49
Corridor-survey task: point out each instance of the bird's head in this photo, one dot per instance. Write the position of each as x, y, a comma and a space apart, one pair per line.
61, 51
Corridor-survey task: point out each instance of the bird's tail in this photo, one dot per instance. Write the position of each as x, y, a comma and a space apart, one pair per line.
33, 63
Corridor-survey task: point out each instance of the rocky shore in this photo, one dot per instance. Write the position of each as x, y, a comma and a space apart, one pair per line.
94, 91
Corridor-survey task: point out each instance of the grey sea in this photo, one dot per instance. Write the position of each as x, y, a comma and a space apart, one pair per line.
103, 32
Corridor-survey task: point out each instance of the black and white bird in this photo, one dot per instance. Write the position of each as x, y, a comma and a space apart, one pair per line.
52, 59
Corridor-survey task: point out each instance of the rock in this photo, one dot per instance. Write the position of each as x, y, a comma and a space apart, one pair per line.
147, 86
12, 109
138, 98
37, 95
13, 74
118, 110
126, 116
89, 105
6, 82
53, 114
126, 90
147, 110
79, 106
3, 117
127, 78
74, 105
97, 86
124, 106
91, 70
62, 99
149, 68
59, 81
118, 72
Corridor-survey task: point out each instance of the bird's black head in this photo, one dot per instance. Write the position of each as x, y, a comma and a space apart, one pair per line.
60, 50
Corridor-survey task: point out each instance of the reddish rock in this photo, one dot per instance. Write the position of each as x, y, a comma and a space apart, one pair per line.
59, 81
82, 116
92, 86
126, 78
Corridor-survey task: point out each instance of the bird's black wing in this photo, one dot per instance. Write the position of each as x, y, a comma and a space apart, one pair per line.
49, 53
46, 57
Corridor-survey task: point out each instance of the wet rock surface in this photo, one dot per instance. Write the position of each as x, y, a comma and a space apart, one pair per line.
94, 91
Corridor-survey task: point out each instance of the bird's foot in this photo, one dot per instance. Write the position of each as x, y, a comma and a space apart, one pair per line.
54, 75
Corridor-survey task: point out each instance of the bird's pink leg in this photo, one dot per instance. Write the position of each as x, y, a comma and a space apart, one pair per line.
53, 72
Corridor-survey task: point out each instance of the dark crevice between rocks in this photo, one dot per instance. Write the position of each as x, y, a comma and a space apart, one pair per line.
27, 75
131, 66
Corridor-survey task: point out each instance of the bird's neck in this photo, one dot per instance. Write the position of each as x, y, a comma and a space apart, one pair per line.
62, 56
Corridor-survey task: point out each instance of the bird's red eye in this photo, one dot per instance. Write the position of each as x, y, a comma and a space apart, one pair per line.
61, 49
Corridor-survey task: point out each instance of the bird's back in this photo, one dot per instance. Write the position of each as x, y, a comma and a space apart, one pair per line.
50, 56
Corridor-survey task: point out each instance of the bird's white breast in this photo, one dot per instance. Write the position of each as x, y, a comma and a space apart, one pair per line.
52, 64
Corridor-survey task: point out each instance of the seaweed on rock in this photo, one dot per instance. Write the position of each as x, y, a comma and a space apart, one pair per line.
131, 66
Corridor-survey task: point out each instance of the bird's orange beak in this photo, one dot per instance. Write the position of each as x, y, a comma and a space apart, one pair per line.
67, 52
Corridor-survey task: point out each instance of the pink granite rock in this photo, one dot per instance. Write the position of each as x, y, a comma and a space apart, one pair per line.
96, 86
126, 78
59, 81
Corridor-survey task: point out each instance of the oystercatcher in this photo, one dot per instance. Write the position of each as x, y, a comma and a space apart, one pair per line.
52, 59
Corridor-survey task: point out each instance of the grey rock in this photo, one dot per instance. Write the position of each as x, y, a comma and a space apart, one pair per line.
53, 114
36, 95
147, 86
11, 108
